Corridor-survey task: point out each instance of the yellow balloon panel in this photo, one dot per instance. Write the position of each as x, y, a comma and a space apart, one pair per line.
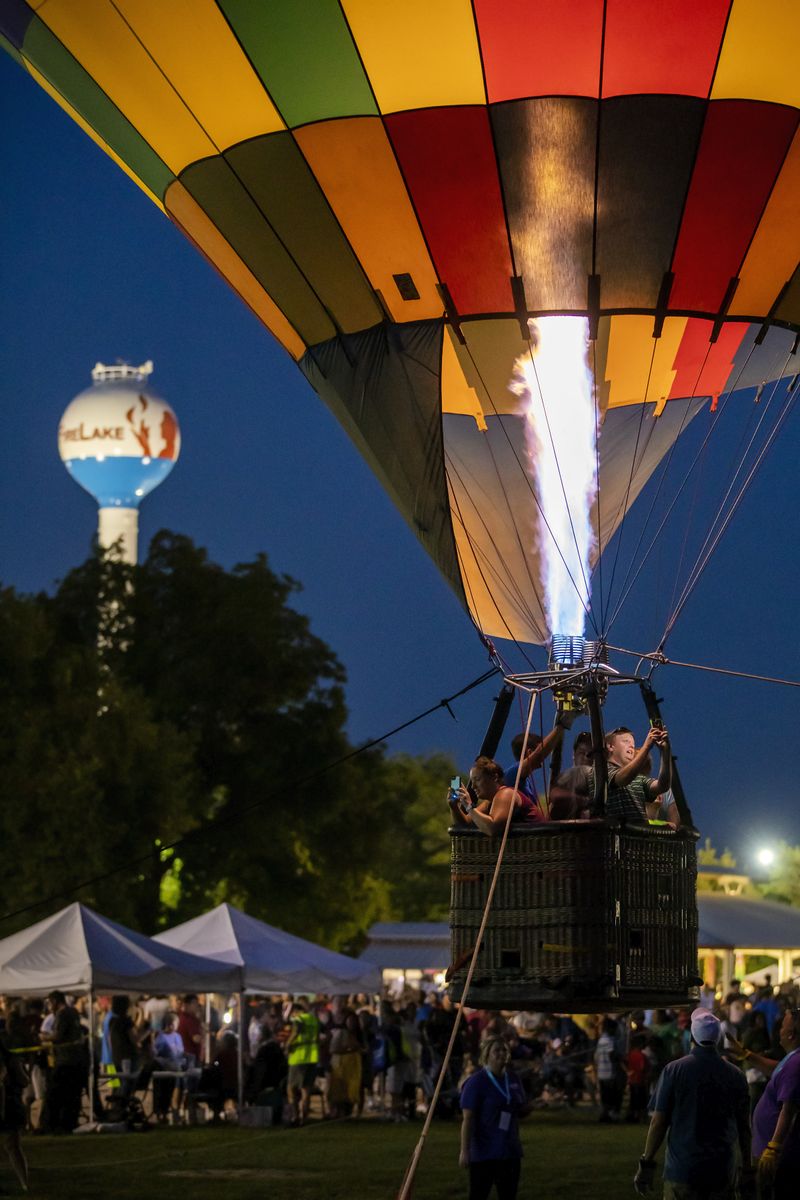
418, 54
78, 119
207, 66
639, 368
98, 37
759, 53
775, 249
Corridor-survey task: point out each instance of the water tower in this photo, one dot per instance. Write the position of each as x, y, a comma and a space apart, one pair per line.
119, 440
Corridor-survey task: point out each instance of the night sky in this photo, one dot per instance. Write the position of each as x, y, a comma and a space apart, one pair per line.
93, 271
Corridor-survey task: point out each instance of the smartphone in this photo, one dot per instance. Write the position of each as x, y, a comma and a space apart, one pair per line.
455, 787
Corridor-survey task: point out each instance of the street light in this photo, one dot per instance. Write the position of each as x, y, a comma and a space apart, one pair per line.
765, 857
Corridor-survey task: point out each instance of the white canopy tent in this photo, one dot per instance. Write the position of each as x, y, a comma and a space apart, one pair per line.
270, 960
77, 950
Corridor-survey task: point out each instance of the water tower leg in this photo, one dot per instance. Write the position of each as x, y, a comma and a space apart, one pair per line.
120, 525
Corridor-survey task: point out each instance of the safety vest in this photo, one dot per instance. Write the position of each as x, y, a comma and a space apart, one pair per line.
304, 1049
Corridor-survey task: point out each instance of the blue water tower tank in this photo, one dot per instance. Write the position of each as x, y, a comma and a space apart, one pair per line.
119, 440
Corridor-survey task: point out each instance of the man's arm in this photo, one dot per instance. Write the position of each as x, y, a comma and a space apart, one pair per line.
664, 781
785, 1123
655, 1135
534, 758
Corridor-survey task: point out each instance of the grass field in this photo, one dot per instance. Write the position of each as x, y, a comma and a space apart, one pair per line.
566, 1154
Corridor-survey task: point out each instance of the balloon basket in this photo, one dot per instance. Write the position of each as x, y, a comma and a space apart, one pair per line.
588, 916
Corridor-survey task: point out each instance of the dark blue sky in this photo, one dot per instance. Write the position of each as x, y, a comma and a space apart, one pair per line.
93, 271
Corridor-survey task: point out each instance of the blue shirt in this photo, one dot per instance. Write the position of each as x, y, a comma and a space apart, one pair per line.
783, 1086
705, 1101
494, 1102
527, 787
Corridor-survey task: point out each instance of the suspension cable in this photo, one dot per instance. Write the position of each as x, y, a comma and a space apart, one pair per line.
710, 544
658, 659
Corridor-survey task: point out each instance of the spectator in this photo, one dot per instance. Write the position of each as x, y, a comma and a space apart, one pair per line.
609, 1072
701, 1107
266, 1077
770, 1007
347, 1046
400, 1069
190, 1027
492, 1101
303, 1053
124, 1042
68, 1077
12, 1111
756, 1039
638, 1070
169, 1057
776, 1128
154, 1010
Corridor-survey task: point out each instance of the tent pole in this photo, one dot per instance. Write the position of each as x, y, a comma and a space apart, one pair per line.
240, 1053
91, 1056
208, 1028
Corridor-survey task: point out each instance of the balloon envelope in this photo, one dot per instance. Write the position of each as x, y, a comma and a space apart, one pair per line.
395, 188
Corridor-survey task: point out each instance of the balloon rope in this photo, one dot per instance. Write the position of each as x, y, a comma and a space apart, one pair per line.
480, 556
629, 581
661, 660
411, 1171
713, 538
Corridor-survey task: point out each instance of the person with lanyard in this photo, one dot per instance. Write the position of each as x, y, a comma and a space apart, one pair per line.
776, 1123
702, 1107
492, 1101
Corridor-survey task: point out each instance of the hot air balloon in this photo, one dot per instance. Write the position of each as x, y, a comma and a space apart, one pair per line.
440, 211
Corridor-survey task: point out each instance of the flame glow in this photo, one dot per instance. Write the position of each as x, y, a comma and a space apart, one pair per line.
557, 390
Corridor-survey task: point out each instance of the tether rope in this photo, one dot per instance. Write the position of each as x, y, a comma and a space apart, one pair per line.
408, 1179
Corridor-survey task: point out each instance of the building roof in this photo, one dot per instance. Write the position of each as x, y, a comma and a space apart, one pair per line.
408, 945
726, 923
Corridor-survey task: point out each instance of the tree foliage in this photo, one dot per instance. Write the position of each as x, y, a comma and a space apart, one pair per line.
178, 699
784, 880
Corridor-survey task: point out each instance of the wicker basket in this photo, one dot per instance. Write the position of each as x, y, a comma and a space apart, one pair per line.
587, 916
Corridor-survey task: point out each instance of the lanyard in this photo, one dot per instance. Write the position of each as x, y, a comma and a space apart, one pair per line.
783, 1063
505, 1092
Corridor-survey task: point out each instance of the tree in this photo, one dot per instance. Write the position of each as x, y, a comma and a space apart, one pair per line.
179, 700
78, 784
784, 881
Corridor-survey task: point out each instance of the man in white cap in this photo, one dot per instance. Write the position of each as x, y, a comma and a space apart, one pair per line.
702, 1107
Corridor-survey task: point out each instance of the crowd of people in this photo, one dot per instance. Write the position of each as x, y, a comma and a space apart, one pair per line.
337, 1057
